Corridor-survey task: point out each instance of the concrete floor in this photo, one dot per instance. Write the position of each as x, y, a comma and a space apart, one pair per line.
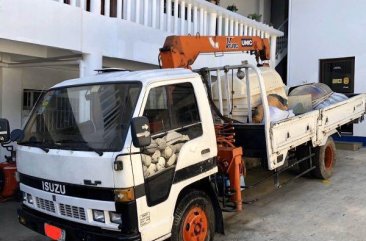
308, 209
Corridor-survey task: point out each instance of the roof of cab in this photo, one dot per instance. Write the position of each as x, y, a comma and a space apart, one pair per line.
144, 76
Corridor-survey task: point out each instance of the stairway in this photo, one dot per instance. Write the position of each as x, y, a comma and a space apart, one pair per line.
282, 42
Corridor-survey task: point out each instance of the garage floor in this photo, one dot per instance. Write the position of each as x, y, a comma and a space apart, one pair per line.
308, 209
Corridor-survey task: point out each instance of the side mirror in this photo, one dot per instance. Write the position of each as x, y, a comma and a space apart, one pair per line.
4, 131
140, 130
17, 135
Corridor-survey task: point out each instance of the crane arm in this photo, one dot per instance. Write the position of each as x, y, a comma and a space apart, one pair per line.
182, 51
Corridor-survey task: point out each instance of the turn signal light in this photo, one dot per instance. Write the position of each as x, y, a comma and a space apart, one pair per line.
124, 195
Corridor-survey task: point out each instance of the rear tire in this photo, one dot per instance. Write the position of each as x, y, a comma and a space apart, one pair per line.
194, 218
325, 159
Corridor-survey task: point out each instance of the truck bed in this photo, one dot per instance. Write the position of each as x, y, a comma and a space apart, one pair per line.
315, 127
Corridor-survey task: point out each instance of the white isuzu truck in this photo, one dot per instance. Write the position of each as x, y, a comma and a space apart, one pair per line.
133, 155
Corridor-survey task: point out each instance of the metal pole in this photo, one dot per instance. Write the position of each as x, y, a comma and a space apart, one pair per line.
249, 101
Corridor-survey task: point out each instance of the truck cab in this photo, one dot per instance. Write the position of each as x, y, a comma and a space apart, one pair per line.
83, 173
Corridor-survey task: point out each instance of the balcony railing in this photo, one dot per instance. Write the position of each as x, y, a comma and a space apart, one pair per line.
178, 16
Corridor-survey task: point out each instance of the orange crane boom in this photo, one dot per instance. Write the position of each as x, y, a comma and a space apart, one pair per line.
182, 51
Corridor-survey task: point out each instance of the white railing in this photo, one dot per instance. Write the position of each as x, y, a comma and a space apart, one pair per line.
178, 16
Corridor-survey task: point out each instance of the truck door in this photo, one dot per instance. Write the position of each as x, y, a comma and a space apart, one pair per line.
174, 120
177, 131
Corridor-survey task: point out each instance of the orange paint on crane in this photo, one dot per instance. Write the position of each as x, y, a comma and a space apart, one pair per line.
182, 51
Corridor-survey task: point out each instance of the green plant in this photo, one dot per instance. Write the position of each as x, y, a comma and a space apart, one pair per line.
232, 8
255, 16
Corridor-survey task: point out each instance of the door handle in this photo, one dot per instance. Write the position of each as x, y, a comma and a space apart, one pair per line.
205, 151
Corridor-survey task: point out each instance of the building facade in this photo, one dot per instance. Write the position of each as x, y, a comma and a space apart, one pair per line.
326, 44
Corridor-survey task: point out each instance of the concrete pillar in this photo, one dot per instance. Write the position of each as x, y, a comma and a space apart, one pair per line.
168, 16
107, 8
146, 12
128, 9
182, 17
11, 106
153, 13
236, 28
82, 4
273, 42
261, 8
212, 26
226, 33
189, 18
219, 26
95, 6
161, 18
137, 11
195, 20
205, 20
241, 29
231, 32
119, 9
201, 21
11, 96
91, 62
176, 2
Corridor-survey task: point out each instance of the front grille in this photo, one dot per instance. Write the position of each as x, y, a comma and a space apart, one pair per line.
46, 205
72, 211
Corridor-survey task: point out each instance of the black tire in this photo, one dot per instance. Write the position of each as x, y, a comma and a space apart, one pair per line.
325, 160
189, 218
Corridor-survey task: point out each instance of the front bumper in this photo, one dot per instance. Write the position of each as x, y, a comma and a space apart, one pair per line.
35, 221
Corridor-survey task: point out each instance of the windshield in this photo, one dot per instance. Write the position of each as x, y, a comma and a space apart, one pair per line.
92, 118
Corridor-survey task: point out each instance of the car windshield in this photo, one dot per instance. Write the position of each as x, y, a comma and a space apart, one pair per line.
91, 118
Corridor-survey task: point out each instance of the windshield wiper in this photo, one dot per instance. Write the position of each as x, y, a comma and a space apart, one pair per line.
37, 144
88, 148
100, 153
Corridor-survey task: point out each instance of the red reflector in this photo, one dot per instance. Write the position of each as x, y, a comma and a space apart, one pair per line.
53, 232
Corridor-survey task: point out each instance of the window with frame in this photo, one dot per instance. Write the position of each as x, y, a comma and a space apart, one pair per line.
173, 107
30, 98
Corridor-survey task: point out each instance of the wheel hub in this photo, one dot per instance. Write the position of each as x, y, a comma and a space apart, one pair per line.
329, 155
195, 225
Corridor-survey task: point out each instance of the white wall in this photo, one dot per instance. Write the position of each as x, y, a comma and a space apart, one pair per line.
246, 7
15, 80
78, 30
326, 29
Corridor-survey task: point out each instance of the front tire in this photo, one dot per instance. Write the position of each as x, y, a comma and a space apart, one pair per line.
194, 218
325, 160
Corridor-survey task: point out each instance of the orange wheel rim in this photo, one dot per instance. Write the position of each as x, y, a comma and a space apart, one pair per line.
195, 225
329, 155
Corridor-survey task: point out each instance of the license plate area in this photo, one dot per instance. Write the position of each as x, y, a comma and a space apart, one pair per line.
54, 233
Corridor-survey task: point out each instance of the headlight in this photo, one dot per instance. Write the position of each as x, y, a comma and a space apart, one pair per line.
115, 217
98, 215
29, 198
24, 197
